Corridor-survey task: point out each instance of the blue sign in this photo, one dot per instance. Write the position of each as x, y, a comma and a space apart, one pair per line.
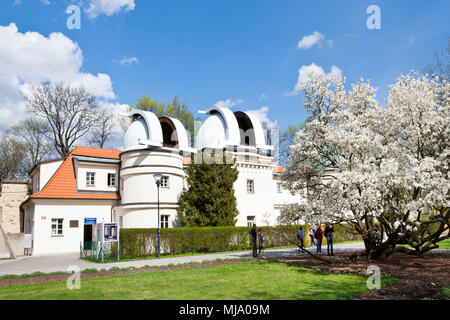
90, 220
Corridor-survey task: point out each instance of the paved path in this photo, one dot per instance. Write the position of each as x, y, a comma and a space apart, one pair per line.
60, 262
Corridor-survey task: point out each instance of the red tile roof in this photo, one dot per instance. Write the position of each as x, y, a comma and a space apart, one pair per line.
186, 161
63, 184
278, 169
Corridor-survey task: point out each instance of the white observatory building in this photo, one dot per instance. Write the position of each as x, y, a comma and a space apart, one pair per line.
104, 185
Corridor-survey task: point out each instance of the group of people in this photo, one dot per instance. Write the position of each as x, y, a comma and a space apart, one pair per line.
318, 235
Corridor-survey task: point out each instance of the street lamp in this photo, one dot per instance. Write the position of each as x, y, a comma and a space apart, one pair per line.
157, 177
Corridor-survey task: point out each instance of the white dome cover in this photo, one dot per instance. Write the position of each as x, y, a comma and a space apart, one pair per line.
145, 130
211, 133
136, 131
221, 129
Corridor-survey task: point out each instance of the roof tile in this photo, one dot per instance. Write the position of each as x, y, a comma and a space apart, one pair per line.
62, 185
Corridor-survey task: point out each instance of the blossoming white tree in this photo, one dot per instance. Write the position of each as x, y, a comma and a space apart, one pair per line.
369, 166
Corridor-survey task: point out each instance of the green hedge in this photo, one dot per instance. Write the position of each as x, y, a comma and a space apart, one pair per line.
137, 243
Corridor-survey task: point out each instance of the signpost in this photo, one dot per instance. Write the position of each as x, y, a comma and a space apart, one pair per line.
90, 220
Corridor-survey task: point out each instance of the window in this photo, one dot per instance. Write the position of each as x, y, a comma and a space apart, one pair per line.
279, 187
90, 179
164, 221
57, 227
250, 221
250, 186
164, 182
73, 223
111, 179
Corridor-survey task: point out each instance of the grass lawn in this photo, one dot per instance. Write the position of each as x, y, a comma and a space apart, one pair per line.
444, 295
246, 280
444, 244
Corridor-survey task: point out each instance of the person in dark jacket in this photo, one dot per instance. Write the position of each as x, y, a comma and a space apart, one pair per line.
301, 237
253, 235
261, 244
318, 235
329, 235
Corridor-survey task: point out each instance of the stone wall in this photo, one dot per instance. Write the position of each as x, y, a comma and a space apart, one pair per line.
14, 192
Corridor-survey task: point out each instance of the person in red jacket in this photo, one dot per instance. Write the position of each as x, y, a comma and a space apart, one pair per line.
318, 235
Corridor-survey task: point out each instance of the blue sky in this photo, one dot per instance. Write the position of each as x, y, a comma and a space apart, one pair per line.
245, 52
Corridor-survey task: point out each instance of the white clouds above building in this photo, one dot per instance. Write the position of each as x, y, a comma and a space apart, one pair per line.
262, 115
305, 71
229, 103
316, 38
32, 58
311, 40
127, 61
108, 7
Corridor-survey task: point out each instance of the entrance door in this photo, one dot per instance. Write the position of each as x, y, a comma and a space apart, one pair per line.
87, 239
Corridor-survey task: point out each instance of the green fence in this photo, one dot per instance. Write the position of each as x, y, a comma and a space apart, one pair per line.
95, 251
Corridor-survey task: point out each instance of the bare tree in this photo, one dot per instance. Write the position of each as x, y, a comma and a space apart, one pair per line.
104, 129
440, 66
34, 136
71, 112
12, 153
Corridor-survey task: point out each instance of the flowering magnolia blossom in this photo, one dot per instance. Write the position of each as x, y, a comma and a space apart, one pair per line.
361, 163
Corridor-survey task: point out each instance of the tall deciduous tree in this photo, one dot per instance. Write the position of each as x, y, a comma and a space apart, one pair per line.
71, 112
103, 131
33, 134
12, 152
209, 199
440, 66
379, 170
176, 109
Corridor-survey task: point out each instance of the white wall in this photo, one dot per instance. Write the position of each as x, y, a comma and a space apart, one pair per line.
139, 192
47, 170
138, 183
145, 216
46, 210
101, 176
260, 203
44, 174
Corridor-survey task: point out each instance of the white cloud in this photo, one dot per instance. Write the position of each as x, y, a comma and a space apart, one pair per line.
31, 58
263, 97
128, 61
108, 7
308, 41
304, 73
330, 43
262, 115
227, 103
336, 72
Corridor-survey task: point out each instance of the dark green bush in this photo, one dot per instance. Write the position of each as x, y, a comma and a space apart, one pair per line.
138, 243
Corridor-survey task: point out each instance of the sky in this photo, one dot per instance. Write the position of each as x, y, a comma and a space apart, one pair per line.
247, 55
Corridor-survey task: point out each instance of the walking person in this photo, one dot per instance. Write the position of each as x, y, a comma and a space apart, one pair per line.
301, 238
311, 235
329, 235
261, 244
318, 235
253, 235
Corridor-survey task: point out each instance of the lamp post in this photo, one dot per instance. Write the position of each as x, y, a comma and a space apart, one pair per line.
157, 177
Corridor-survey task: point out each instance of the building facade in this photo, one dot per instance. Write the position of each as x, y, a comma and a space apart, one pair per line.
103, 185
